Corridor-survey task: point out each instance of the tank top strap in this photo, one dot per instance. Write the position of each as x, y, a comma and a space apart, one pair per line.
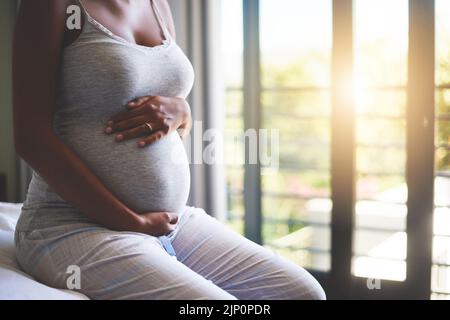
83, 10
161, 21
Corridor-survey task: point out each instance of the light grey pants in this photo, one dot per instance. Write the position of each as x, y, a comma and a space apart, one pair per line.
212, 262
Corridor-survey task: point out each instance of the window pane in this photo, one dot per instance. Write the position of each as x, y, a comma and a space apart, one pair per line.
383, 132
300, 184
380, 254
381, 52
442, 42
235, 213
296, 102
233, 102
443, 135
440, 277
381, 42
389, 103
232, 59
232, 42
296, 42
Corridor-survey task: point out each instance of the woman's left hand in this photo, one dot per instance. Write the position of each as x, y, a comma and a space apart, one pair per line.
154, 116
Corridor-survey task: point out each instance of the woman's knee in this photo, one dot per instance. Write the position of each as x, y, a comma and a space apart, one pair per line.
306, 287
315, 292
298, 283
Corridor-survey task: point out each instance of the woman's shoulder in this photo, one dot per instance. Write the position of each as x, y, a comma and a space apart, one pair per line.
166, 12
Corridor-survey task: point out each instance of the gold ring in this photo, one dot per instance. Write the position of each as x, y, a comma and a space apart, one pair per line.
149, 126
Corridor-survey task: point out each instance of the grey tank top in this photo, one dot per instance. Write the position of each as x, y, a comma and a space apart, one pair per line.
100, 73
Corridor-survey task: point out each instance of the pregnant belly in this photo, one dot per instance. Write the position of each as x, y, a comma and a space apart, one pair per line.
151, 179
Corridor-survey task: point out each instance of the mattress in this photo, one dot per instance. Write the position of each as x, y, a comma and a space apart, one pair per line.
14, 283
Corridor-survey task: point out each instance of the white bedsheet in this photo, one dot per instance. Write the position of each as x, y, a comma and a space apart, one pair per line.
14, 283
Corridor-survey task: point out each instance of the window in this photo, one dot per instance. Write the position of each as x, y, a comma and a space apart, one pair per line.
348, 86
232, 48
381, 67
295, 100
441, 243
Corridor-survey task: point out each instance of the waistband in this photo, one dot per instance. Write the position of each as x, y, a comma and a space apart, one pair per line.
51, 216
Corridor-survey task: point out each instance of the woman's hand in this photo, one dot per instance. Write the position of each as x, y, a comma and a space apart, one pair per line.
153, 116
157, 223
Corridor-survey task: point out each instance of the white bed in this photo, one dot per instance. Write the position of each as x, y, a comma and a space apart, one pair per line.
14, 283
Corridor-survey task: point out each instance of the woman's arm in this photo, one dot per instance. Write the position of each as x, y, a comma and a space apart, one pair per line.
37, 56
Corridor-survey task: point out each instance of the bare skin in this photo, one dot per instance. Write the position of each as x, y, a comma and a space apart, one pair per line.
40, 37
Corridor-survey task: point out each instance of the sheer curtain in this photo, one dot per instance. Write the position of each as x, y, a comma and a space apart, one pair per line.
197, 23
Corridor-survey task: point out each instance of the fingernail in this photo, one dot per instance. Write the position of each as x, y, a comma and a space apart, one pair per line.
108, 130
141, 144
119, 137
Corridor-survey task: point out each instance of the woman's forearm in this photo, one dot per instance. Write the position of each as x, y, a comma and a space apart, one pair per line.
72, 180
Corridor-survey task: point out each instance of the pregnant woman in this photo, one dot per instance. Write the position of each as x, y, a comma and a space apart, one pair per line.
99, 114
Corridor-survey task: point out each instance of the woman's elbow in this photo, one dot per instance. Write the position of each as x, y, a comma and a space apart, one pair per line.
22, 146
28, 141
19, 140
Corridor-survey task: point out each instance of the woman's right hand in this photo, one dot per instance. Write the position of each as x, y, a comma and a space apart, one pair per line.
158, 223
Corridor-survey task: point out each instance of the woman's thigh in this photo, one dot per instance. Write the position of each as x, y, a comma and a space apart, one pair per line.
239, 266
112, 265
